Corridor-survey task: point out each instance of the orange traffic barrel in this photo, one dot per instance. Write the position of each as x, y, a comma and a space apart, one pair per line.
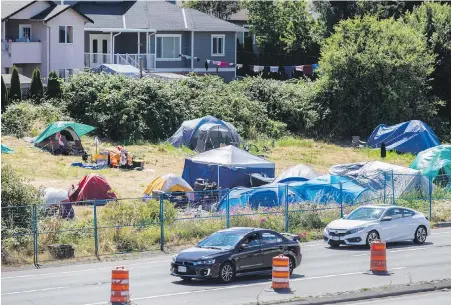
280, 272
120, 286
378, 260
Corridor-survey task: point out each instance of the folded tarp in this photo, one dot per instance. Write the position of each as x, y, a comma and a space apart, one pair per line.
6, 150
89, 166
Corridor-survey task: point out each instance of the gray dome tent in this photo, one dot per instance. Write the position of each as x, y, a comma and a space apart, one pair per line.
205, 133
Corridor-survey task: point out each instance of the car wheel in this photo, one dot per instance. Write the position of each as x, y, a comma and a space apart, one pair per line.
291, 265
186, 278
226, 272
334, 244
372, 236
420, 235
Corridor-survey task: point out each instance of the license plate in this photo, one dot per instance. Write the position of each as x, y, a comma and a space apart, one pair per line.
181, 269
335, 238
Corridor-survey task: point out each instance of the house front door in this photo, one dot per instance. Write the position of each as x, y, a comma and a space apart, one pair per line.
100, 50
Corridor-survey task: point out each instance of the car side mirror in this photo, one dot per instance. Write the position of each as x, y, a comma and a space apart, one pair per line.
387, 218
345, 215
242, 247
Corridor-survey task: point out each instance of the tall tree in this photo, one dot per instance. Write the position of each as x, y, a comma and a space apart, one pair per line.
220, 9
53, 85
15, 91
4, 96
372, 72
433, 20
36, 87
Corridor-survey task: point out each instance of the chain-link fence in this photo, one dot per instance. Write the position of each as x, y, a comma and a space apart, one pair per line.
39, 233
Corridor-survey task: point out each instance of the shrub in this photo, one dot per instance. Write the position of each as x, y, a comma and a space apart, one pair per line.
4, 96
36, 88
15, 91
17, 197
26, 119
53, 85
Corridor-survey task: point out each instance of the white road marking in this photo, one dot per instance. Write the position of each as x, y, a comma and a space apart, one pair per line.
315, 245
36, 290
395, 251
79, 271
447, 232
239, 286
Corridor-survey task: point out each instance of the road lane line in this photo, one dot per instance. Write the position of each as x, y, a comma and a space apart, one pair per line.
239, 286
439, 233
79, 271
36, 290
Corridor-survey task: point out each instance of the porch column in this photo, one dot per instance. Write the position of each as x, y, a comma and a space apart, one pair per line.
3, 31
111, 48
147, 51
192, 50
139, 43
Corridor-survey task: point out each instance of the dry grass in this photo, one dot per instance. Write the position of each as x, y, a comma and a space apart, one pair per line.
45, 170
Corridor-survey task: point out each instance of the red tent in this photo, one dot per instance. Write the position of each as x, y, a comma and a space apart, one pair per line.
91, 187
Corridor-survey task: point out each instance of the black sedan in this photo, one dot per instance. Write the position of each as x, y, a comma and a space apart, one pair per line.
236, 252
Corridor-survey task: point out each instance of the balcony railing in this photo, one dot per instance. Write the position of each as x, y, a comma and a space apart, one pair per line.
22, 52
94, 59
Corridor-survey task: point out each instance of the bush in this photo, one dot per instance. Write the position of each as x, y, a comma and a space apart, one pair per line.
17, 198
373, 72
4, 96
26, 119
36, 88
15, 91
53, 85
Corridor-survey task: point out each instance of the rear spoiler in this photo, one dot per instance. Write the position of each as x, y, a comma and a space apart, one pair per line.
290, 236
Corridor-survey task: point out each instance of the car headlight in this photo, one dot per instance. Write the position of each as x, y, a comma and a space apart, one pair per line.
326, 229
356, 230
204, 262
174, 258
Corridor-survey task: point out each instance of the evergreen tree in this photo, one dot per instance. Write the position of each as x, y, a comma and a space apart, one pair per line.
53, 85
36, 88
15, 92
4, 96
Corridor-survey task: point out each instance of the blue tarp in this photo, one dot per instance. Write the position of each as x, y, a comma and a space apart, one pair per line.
408, 137
89, 166
258, 197
325, 189
188, 133
235, 166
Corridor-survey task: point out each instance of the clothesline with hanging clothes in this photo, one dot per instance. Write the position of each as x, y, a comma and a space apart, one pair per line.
218, 63
306, 69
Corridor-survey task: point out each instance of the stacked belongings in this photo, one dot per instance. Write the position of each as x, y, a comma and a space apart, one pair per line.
119, 158
177, 190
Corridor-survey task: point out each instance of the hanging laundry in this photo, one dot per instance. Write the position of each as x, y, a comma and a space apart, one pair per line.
224, 64
300, 68
289, 71
239, 66
258, 68
308, 70
315, 66
215, 62
274, 69
206, 65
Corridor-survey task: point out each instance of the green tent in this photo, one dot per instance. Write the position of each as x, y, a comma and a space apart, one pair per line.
80, 129
434, 161
6, 150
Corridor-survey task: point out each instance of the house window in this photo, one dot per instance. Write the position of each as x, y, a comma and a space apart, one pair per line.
168, 47
66, 34
25, 31
65, 73
217, 45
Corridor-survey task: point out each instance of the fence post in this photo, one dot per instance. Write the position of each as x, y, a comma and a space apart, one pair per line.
385, 187
96, 237
162, 222
341, 200
35, 235
228, 210
430, 197
286, 209
393, 187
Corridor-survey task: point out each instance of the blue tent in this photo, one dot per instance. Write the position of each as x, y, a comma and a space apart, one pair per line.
326, 189
408, 137
207, 132
234, 165
258, 197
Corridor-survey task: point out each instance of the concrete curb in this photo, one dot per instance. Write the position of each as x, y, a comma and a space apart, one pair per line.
443, 225
366, 295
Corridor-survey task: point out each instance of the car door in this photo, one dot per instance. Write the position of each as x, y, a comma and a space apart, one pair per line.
409, 224
272, 245
392, 230
249, 253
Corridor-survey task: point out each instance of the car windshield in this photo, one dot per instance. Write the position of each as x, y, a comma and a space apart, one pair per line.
221, 240
366, 214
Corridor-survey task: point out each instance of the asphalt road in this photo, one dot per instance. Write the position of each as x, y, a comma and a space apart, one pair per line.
322, 271
432, 298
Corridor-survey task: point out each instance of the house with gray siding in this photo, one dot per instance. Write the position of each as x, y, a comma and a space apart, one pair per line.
147, 34
153, 35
